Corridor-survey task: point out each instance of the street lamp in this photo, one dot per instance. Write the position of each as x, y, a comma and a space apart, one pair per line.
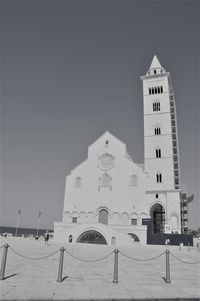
38, 221
18, 216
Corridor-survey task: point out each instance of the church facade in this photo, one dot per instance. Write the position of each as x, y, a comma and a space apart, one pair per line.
110, 198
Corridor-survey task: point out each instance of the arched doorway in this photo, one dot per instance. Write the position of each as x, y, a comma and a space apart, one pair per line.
158, 218
103, 216
92, 237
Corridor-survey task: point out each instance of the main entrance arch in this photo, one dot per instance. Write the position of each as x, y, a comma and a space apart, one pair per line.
92, 237
158, 218
103, 216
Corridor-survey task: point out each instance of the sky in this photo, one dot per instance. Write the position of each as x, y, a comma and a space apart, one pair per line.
70, 70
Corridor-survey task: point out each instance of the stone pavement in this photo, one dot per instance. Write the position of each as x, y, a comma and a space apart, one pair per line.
138, 280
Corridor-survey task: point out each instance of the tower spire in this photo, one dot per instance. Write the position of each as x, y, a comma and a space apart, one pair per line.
155, 63
155, 67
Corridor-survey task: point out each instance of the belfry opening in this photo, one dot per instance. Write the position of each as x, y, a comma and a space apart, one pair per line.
158, 218
92, 237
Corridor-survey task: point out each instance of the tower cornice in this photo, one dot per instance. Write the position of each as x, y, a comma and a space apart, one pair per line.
153, 76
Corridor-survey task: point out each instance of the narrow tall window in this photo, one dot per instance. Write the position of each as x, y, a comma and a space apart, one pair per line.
150, 91
159, 177
154, 71
74, 220
158, 153
156, 106
133, 180
158, 90
155, 90
161, 89
106, 180
77, 182
157, 131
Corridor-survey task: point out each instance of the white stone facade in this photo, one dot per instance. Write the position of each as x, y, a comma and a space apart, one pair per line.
111, 194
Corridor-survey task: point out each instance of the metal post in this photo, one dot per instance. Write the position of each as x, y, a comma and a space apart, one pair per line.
60, 269
115, 275
38, 222
188, 247
3, 263
18, 215
167, 279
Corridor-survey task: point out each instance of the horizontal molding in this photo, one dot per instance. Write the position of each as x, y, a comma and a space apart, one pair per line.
158, 113
159, 158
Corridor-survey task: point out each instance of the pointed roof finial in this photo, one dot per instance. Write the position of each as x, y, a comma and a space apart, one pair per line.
155, 63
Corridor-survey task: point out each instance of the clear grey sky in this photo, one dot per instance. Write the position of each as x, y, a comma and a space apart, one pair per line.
69, 71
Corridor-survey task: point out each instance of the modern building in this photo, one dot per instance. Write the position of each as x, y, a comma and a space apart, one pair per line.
109, 197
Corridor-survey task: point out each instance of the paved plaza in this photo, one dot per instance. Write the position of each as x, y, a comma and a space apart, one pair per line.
85, 277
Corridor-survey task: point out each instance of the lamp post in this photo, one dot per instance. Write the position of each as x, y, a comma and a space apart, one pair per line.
18, 216
38, 221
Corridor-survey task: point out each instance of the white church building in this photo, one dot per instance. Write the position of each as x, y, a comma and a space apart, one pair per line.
109, 197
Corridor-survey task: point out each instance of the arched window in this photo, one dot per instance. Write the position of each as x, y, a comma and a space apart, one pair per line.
158, 90
103, 216
157, 131
159, 178
77, 182
161, 89
113, 240
156, 106
158, 153
105, 181
133, 180
150, 91
154, 71
155, 90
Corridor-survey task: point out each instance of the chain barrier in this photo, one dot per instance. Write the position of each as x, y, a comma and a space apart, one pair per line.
183, 260
116, 251
34, 258
138, 259
85, 260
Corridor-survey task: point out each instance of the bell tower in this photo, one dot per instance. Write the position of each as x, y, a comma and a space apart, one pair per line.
161, 156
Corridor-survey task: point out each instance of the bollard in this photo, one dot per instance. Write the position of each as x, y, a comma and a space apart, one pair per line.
179, 246
115, 275
3, 263
167, 279
60, 269
188, 247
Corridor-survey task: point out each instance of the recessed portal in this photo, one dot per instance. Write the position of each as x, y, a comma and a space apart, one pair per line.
158, 218
103, 216
92, 237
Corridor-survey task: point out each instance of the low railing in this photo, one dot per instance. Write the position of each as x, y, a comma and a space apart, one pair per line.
116, 253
